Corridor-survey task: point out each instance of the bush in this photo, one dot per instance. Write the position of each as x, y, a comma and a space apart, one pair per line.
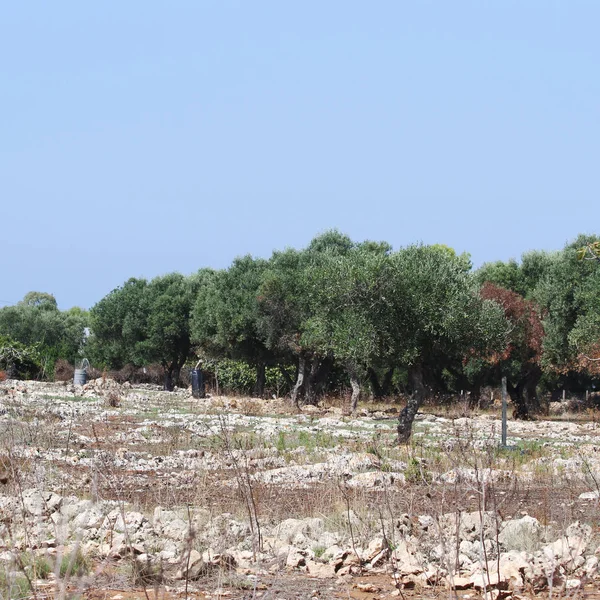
3, 376
113, 399
63, 370
153, 373
237, 377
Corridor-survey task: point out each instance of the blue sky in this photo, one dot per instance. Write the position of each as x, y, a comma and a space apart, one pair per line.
140, 138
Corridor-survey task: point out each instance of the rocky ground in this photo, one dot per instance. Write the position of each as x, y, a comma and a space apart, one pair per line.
109, 491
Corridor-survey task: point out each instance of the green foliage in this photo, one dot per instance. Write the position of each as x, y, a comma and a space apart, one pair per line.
40, 300
237, 377
287, 294
19, 360
145, 322
334, 309
437, 314
522, 278
224, 317
505, 275
349, 308
416, 472
74, 564
37, 322
118, 324
566, 294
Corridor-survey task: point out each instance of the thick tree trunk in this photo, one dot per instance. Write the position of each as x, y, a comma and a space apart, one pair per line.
524, 396
407, 416
319, 370
355, 392
530, 392
516, 394
177, 375
299, 382
310, 394
168, 382
259, 387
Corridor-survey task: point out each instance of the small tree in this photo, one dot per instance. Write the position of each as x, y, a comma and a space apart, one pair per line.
520, 359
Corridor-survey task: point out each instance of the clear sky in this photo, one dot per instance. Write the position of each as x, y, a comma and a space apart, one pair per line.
143, 137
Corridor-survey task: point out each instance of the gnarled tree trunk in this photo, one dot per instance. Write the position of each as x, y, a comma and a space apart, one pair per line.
317, 376
168, 380
299, 382
408, 413
355, 392
524, 396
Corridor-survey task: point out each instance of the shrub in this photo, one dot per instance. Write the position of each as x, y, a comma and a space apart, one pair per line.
63, 370
237, 377
113, 399
153, 373
416, 472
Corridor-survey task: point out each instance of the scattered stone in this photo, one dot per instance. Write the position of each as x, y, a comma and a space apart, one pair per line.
522, 534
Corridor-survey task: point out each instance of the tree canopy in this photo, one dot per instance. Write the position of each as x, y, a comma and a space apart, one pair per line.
341, 314
37, 322
144, 322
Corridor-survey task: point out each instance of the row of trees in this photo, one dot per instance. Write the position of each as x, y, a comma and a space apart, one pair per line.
418, 319
34, 334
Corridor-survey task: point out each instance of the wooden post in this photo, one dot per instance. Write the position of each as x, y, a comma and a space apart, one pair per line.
564, 394
504, 402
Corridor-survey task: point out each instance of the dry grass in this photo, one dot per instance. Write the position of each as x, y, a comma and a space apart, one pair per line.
150, 431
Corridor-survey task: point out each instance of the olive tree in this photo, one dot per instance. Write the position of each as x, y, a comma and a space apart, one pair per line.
349, 320
520, 359
436, 317
566, 295
287, 303
143, 322
119, 324
225, 316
